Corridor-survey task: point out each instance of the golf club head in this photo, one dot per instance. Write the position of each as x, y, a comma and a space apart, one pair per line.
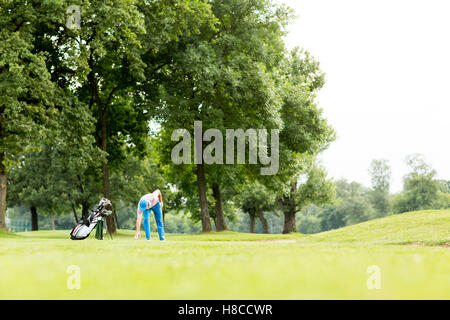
106, 204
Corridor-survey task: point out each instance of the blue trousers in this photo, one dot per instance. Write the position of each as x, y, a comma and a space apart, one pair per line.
159, 221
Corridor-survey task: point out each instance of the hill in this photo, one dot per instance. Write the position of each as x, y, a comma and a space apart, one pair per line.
431, 227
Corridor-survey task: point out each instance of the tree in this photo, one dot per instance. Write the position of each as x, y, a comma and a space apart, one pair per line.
222, 77
53, 182
218, 208
380, 172
420, 189
443, 201
352, 206
105, 52
305, 132
355, 202
308, 221
102, 62
316, 189
444, 186
36, 184
26, 91
331, 217
443, 194
254, 199
52, 177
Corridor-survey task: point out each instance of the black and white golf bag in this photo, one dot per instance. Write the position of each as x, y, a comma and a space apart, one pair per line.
83, 229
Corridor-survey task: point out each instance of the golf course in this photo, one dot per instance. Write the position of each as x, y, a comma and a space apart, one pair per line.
223, 150
411, 252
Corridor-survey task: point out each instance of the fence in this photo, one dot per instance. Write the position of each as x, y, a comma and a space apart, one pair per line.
18, 225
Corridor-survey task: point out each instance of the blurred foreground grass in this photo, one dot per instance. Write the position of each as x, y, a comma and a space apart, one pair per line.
330, 265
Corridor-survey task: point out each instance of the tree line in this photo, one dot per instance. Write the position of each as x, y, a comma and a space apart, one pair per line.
256, 210
355, 203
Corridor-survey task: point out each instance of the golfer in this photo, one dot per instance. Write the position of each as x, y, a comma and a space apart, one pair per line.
150, 202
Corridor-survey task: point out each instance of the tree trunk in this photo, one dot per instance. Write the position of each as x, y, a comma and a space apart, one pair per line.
84, 210
215, 223
265, 226
105, 172
289, 210
252, 222
289, 222
107, 194
117, 219
220, 217
34, 219
2, 192
74, 213
201, 183
101, 140
53, 222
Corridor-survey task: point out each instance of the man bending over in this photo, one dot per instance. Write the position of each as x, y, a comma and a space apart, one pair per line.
150, 202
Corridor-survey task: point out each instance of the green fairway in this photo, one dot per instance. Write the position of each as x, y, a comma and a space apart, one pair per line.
411, 250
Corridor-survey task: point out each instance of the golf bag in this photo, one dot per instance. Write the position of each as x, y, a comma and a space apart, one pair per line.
83, 229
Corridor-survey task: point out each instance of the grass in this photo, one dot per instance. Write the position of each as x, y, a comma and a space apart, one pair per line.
5, 234
329, 265
431, 227
213, 236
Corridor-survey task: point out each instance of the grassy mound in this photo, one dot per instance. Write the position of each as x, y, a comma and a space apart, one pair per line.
422, 227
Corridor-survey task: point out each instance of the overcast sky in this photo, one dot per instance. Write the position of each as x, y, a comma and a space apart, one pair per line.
387, 91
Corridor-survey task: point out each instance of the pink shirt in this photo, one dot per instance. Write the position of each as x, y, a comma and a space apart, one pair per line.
151, 198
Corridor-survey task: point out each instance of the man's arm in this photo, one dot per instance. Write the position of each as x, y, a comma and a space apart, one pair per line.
161, 204
138, 224
160, 196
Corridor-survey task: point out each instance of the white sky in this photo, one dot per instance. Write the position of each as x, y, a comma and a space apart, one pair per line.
387, 91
